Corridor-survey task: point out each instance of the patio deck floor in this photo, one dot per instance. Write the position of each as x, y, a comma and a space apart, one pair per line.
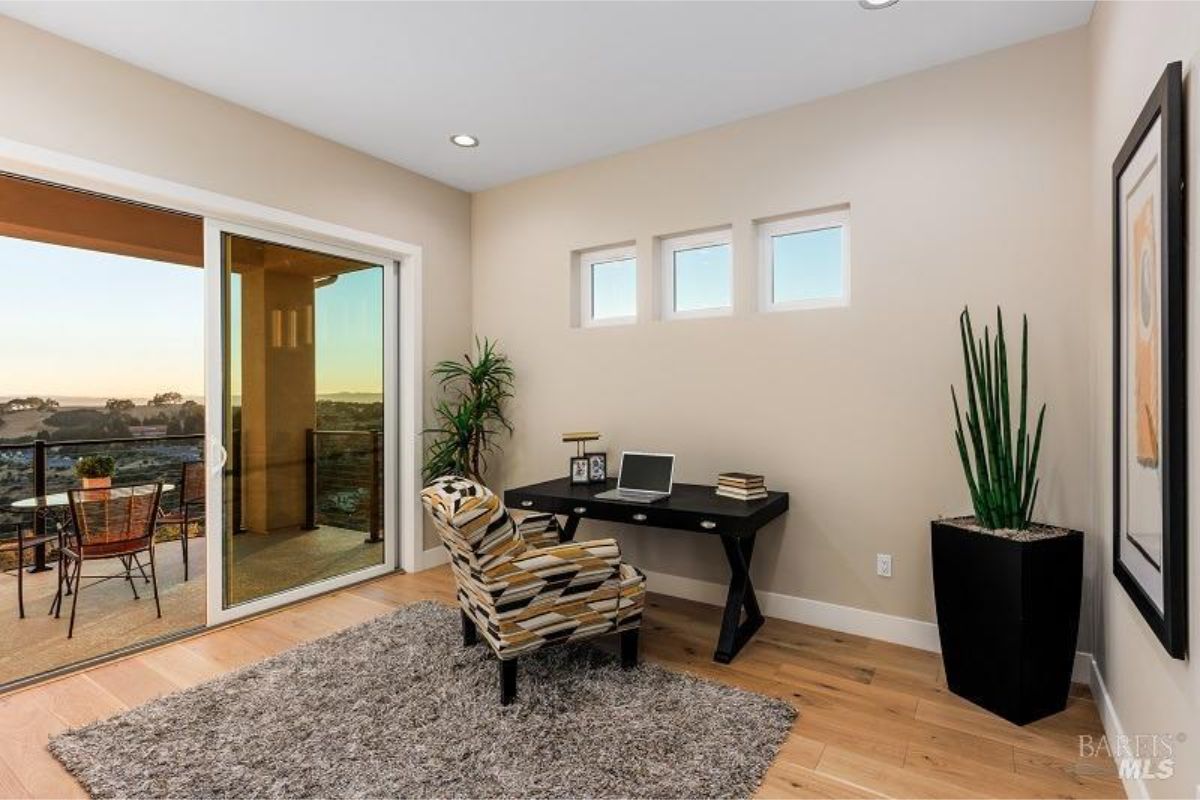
110, 619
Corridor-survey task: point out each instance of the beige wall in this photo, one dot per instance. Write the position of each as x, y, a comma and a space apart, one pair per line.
65, 97
1151, 693
967, 183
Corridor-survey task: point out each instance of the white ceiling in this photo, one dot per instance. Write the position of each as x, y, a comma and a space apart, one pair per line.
543, 85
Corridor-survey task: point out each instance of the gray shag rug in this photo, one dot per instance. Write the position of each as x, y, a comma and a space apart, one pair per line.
397, 707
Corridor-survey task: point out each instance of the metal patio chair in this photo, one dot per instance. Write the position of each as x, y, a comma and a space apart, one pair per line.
190, 508
17, 542
110, 523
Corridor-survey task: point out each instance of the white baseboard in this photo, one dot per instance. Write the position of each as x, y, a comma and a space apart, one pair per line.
847, 619
901, 630
434, 557
1135, 787
1082, 673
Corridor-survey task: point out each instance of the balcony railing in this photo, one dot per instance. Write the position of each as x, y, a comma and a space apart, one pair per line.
40, 467
344, 470
344, 481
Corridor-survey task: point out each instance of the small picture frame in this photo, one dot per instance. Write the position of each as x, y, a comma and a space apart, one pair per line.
597, 467
580, 470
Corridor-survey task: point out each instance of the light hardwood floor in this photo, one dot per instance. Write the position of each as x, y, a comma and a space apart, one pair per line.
875, 718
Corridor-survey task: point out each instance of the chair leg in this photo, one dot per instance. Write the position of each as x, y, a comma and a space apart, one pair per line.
75, 596
508, 680
137, 562
56, 606
20, 581
470, 633
154, 581
183, 540
127, 562
629, 648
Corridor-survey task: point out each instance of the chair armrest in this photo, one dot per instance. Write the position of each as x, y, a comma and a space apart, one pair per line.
539, 530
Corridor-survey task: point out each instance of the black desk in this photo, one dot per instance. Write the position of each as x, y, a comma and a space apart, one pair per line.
691, 507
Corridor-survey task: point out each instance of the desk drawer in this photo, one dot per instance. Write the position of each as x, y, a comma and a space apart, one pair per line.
647, 515
653, 516
548, 505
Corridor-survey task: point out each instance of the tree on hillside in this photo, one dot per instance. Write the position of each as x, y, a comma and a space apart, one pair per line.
166, 399
29, 404
115, 404
189, 420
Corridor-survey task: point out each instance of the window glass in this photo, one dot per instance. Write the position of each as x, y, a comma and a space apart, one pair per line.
702, 278
807, 265
614, 289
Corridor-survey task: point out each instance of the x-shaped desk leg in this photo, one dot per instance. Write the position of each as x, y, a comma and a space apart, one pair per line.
734, 632
567, 532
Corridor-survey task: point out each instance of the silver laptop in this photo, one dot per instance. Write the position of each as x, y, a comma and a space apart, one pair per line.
644, 478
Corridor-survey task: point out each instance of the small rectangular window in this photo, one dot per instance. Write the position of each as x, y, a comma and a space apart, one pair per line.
608, 284
697, 274
804, 261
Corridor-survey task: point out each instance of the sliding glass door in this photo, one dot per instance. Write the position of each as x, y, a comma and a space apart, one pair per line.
305, 381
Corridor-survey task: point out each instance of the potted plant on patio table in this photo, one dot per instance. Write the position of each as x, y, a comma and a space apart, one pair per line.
1007, 589
96, 471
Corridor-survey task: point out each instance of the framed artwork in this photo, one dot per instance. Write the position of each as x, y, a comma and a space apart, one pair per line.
580, 471
597, 467
1149, 369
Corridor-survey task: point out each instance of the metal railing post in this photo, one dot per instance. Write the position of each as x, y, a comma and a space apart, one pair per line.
310, 479
373, 491
39, 518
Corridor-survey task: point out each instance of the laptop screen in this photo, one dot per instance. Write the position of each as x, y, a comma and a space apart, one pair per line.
647, 472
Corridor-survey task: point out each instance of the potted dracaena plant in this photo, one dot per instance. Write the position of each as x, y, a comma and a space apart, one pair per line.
1007, 589
471, 419
96, 471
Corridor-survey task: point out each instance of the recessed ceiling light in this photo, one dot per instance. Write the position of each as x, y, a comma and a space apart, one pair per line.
875, 5
466, 140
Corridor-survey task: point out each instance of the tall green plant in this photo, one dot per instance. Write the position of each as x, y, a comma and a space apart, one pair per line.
472, 417
1003, 477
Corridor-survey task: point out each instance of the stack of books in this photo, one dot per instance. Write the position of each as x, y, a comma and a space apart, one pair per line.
741, 486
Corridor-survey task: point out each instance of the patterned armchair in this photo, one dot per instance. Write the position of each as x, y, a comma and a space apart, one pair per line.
521, 588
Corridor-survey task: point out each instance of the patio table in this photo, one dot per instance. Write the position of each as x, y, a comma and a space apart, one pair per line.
48, 503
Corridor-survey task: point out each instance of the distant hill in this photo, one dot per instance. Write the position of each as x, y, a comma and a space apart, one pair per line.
352, 397
91, 421
67, 401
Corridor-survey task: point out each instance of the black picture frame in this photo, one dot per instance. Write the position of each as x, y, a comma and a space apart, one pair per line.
578, 470
1169, 624
597, 467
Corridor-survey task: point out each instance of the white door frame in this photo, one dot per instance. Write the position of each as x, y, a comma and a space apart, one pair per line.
50, 165
214, 388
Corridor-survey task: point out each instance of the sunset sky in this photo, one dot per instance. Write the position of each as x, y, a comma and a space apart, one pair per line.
79, 323
82, 323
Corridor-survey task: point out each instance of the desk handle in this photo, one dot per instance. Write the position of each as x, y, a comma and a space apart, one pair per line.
579, 510
707, 524
526, 504
639, 517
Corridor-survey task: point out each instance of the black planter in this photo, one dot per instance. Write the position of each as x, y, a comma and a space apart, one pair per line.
1008, 617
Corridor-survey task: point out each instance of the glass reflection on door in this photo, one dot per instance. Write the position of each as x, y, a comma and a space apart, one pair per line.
304, 399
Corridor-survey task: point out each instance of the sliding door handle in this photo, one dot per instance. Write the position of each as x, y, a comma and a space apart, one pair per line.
217, 456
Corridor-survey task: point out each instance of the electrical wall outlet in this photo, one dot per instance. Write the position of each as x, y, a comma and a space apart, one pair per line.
883, 565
